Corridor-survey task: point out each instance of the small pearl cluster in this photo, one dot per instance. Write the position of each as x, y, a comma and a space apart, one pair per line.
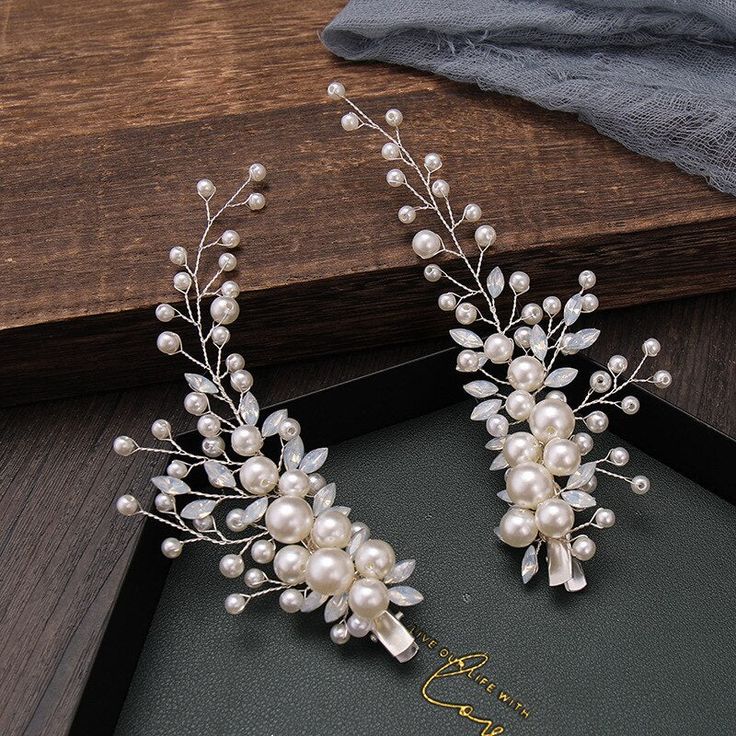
532, 427
281, 514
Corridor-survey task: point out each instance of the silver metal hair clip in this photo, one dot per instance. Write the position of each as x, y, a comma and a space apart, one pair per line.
281, 512
536, 440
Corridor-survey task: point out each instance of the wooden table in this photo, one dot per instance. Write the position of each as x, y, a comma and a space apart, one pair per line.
110, 111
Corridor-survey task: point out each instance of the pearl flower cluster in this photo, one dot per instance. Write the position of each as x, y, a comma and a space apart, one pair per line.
532, 426
281, 513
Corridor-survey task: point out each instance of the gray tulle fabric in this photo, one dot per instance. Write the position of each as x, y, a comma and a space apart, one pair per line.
658, 77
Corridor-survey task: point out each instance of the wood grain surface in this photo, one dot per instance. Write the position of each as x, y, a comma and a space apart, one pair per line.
112, 110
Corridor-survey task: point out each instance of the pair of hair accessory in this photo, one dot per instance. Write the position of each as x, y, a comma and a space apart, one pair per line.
533, 429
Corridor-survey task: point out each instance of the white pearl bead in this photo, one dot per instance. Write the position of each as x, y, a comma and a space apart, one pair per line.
619, 456
335, 91
165, 312
583, 547
605, 518
254, 577
208, 425
586, 279
234, 362
390, 151
330, 571
289, 429
290, 564
196, 403
426, 244
394, 117
651, 347
227, 262
601, 381
556, 396
447, 302
213, 446
395, 178
662, 379
521, 447
163, 503
407, 214
168, 343
331, 529
235, 603
523, 337
205, 188
368, 598
224, 310
259, 475
182, 281
289, 519
551, 419
375, 559
466, 313
241, 381
257, 172
350, 122
440, 188
497, 425
262, 551
220, 335
467, 361
472, 213
171, 547
256, 201
178, 255
561, 457
526, 373
554, 517
177, 469
127, 505
640, 484
294, 483
528, 484
230, 239
235, 520
552, 305
519, 404
498, 348
316, 482
519, 282
124, 446
630, 404
518, 528
291, 600
596, 422
485, 236
358, 626
589, 303
246, 440
232, 566
230, 288
590, 485
432, 162
432, 273
584, 442
617, 364
532, 314
339, 633
359, 526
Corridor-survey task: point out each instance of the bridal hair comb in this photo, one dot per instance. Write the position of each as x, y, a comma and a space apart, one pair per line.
536, 439
279, 512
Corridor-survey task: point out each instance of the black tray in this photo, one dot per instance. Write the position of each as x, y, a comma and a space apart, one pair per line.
646, 648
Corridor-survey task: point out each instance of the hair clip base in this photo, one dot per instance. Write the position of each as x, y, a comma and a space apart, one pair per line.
394, 636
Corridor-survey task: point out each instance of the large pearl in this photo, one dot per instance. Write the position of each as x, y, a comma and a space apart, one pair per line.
330, 571
518, 528
554, 517
224, 310
259, 475
498, 348
519, 404
246, 440
289, 519
375, 559
290, 564
426, 244
551, 419
368, 598
561, 457
526, 373
331, 529
529, 484
294, 483
521, 447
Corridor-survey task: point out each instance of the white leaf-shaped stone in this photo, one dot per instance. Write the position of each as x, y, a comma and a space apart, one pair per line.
577, 581
255, 511
198, 509
219, 476
495, 443
495, 282
499, 462
561, 377
572, 309
583, 339
559, 561
200, 383
581, 476
336, 607
272, 422
249, 409
324, 498
485, 409
293, 453
538, 342
342, 510
313, 460
466, 338
313, 601
481, 389
404, 595
504, 496
357, 540
172, 486
578, 499
401, 571
529, 564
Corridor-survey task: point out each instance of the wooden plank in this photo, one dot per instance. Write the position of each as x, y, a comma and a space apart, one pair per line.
113, 110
